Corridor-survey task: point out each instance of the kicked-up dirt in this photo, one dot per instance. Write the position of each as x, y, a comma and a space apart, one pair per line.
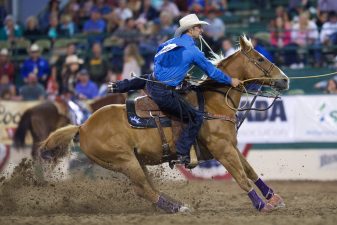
111, 200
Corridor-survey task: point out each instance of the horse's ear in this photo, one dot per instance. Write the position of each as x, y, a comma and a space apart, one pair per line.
243, 44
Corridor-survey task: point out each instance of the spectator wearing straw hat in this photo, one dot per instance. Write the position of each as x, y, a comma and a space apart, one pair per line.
35, 64
6, 66
69, 74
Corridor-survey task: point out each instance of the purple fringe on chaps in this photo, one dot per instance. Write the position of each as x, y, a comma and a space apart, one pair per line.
167, 205
265, 190
256, 200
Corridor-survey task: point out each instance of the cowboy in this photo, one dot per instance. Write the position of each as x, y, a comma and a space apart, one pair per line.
171, 64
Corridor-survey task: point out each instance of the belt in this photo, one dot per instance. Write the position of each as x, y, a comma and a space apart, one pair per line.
158, 83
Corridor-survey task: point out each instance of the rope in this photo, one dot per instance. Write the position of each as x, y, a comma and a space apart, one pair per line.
292, 78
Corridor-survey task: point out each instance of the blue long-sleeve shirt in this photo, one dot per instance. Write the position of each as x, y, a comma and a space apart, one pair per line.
41, 65
175, 57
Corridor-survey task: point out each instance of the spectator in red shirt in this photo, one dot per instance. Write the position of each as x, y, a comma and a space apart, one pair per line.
280, 35
6, 66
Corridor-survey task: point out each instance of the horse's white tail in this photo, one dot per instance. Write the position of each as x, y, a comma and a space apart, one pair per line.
56, 146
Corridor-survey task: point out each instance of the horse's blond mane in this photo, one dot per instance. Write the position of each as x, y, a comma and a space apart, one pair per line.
217, 58
247, 41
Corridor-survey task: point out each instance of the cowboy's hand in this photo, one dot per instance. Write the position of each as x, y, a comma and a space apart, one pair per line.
236, 82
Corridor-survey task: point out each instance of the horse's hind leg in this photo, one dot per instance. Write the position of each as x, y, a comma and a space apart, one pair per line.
133, 170
273, 199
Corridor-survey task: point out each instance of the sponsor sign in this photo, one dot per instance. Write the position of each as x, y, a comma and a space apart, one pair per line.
292, 119
10, 115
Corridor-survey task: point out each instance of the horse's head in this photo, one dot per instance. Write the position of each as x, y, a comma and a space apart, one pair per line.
248, 64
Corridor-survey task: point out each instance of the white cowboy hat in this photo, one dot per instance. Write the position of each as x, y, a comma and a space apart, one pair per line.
4, 51
187, 22
34, 48
73, 59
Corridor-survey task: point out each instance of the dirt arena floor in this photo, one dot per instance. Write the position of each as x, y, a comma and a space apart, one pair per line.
110, 200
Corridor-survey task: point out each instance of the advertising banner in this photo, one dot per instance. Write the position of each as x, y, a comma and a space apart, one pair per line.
10, 114
292, 119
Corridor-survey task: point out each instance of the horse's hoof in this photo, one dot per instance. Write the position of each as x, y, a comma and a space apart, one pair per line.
185, 209
273, 203
276, 201
267, 208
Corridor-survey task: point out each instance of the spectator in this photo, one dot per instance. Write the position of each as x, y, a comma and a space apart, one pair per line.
35, 64
166, 27
133, 61
196, 6
10, 31
52, 10
170, 7
304, 34
216, 28
227, 47
280, 35
58, 62
67, 27
3, 11
95, 25
128, 32
69, 73
97, 65
321, 19
6, 66
148, 12
122, 12
331, 87
72, 8
53, 29
85, 88
326, 6
296, 7
103, 7
220, 5
134, 6
329, 30
32, 90
281, 12
7, 89
32, 31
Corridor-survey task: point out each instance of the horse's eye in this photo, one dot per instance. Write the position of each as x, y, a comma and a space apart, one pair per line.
261, 59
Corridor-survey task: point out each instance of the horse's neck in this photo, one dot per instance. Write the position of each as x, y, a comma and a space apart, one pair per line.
217, 102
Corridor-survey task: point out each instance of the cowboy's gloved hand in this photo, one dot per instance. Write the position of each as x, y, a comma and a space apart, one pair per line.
112, 87
236, 82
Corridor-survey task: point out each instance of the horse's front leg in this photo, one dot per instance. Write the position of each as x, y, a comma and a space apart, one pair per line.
230, 159
273, 199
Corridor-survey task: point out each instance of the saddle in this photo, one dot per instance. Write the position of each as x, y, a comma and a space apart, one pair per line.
145, 107
143, 112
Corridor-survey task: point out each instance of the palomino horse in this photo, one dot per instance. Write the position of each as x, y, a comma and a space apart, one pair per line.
107, 138
45, 118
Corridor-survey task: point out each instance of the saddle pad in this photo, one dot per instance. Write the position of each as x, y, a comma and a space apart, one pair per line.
139, 122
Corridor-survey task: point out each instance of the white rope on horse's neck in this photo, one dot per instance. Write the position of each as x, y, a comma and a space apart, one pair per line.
201, 39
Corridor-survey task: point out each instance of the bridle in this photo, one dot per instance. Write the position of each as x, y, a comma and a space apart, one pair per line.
266, 72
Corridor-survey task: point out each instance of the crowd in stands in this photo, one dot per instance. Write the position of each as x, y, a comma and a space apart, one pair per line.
80, 46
